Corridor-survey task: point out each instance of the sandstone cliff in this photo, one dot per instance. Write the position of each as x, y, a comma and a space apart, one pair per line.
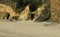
55, 10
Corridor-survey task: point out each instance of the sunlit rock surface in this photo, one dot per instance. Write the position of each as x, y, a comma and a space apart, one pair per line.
55, 10
7, 9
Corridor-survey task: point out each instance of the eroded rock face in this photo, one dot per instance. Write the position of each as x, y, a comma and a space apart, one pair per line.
7, 9
42, 14
2, 15
25, 14
55, 10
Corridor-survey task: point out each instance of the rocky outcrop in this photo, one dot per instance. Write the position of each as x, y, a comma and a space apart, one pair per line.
55, 10
42, 13
25, 14
7, 9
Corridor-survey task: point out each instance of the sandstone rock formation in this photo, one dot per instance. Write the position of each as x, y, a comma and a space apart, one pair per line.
25, 14
55, 10
7, 9
42, 14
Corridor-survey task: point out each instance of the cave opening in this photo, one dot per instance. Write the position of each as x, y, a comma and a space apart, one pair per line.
8, 15
32, 16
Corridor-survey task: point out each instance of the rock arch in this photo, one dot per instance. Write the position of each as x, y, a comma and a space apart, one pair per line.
8, 9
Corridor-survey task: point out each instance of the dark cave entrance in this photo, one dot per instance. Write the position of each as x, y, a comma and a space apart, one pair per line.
8, 15
32, 16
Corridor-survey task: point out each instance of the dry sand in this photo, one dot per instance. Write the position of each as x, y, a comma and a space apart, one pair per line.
28, 29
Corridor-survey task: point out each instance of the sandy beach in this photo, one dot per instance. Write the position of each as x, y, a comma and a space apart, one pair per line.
27, 29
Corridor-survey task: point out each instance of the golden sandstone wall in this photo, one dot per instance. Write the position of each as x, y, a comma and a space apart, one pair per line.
55, 10
7, 9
